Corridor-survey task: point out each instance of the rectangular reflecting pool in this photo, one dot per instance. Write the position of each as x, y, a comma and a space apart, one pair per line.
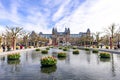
83, 66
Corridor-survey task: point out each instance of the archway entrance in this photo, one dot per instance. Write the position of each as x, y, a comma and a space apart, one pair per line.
61, 43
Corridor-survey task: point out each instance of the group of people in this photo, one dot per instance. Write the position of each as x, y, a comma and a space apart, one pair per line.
4, 47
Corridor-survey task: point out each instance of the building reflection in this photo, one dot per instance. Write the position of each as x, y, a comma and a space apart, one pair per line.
14, 65
48, 70
88, 53
113, 65
67, 60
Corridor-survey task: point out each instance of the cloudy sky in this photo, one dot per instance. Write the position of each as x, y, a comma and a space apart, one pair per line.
43, 15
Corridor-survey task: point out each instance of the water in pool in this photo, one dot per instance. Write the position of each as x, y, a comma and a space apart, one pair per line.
84, 66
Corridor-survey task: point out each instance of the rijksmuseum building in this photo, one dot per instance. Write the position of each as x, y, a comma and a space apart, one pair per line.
60, 38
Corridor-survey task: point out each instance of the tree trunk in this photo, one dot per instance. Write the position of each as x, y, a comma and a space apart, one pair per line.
14, 43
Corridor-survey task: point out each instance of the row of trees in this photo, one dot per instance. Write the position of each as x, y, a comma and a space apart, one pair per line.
96, 38
14, 35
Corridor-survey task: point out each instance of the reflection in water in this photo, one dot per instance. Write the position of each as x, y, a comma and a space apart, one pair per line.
2, 58
97, 58
82, 67
13, 62
67, 61
113, 66
14, 65
62, 58
54, 54
112, 63
88, 56
48, 70
2, 61
34, 56
105, 59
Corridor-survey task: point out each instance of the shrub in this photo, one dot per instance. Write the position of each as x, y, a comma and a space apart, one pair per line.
95, 51
107, 47
87, 49
51, 46
14, 56
61, 54
97, 46
104, 55
25, 47
60, 47
37, 49
44, 51
74, 47
47, 48
17, 47
65, 49
76, 52
48, 61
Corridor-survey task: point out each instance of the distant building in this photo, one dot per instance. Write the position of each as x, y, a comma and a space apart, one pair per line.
60, 38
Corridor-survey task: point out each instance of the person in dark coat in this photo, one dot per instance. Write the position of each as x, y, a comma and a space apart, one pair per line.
3, 47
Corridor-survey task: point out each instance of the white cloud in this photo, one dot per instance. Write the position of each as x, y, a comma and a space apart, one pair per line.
95, 15
37, 28
61, 11
2, 30
11, 14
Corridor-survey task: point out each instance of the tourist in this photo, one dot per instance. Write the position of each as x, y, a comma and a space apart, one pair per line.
8, 48
21, 46
3, 47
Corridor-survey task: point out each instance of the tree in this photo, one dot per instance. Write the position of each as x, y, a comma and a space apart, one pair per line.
13, 32
111, 31
25, 36
33, 38
0, 41
97, 37
105, 40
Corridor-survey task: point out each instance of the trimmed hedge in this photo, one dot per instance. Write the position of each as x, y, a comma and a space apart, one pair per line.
104, 55
107, 47
47, 48
44, 51
61, 54
74, 47
60, 47
13, 56
48, 61
87, 49
65, 49
95, 51
76, 52
51, 46
37, 49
